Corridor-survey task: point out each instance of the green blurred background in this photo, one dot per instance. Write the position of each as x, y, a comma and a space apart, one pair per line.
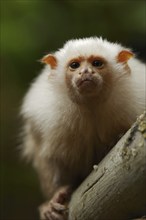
30, 29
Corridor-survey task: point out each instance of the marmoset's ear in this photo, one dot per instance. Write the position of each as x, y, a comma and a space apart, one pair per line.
50, 59
124, 56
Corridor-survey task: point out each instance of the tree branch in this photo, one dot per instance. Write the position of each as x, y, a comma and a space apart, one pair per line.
116, 189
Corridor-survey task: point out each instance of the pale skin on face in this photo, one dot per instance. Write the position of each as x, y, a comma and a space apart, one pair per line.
83, 74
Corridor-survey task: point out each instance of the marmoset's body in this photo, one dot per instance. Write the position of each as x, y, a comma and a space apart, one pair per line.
89, 93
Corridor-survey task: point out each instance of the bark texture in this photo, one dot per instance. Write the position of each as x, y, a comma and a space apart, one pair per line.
116, 189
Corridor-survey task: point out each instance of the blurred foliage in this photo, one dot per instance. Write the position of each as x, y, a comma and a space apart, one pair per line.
30, 29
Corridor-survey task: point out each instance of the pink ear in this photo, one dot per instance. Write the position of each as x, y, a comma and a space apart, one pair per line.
50, 59
124, 56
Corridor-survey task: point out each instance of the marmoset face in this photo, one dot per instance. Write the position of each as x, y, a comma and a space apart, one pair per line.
87, 66
86, 74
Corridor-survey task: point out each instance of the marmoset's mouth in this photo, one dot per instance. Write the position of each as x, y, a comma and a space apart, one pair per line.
85, 82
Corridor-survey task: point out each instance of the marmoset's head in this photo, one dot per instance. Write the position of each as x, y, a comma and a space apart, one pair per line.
89, 65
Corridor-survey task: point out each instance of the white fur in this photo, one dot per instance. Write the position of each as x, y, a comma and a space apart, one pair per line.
66, 129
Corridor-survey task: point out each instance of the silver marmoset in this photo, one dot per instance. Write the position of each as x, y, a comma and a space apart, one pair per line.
88, 94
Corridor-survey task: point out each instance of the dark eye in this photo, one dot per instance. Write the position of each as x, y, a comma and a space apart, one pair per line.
74, 65
98, 63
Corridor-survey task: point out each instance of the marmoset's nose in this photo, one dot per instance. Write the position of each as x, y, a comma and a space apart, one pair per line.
86, 70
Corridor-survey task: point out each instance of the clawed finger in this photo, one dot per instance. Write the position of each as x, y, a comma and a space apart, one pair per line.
58, 207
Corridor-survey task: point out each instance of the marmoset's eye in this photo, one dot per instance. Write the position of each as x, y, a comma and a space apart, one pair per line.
74, 65
98, 63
